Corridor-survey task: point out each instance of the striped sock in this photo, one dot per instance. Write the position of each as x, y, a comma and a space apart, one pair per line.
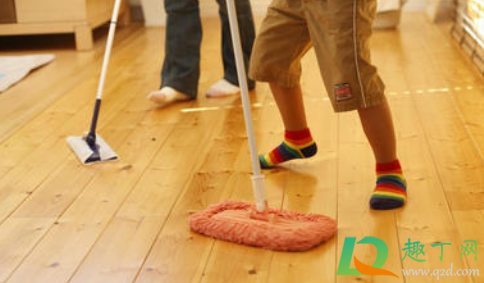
391, 187
296, 145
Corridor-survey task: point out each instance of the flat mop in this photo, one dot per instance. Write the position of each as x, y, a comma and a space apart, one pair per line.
92, 148
257, 225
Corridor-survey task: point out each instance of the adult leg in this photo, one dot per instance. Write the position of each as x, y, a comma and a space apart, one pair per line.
247, 36
181, 67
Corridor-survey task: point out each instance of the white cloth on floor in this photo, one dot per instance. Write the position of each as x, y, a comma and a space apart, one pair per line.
388, 5
15, 68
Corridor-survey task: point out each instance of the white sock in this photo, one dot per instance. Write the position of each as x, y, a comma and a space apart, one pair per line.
222, 88
167, 95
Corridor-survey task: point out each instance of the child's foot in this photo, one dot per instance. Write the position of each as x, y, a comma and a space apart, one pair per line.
391, 187
296, 145
222, 88
167, 95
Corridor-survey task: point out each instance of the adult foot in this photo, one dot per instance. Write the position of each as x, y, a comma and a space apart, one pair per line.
166, 96
222, 88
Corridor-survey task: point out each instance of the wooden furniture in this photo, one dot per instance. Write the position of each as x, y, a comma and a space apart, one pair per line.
58, 16
7, 13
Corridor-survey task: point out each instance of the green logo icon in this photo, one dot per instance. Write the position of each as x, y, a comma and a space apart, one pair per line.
361, 268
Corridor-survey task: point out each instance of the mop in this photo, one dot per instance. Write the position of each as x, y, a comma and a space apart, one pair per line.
258, 225
92, 148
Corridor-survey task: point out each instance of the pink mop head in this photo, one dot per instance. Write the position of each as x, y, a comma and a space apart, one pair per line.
274, 229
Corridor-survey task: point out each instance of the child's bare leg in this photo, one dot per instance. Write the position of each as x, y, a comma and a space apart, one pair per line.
378, 126
298, 142
291, 106
390, 191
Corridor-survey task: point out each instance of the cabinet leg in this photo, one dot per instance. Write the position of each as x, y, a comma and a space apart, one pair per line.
84, 39
125, 17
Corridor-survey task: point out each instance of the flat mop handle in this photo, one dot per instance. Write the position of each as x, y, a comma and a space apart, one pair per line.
109, 45
257, 178
104, 70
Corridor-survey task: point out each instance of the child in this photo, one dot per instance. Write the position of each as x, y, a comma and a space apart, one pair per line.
339, 30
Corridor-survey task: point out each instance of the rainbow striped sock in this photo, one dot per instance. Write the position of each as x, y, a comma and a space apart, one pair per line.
296, 145
391, 187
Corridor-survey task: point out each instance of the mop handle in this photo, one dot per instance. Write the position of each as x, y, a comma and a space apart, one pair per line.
104, 70
257, 178
109, 45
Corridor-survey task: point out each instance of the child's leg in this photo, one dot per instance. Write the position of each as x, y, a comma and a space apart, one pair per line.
378, 126
291, 106
298, 142
281, 43
390, 190
352, 82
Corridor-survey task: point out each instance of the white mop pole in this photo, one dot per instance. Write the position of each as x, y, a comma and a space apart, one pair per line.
257, 177
91, 137
109, 45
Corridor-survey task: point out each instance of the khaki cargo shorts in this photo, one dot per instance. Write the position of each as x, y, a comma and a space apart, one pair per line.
339, 30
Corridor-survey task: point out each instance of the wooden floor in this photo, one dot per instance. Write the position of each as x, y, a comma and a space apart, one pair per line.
127, 221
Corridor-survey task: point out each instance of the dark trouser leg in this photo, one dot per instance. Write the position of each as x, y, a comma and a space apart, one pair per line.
181, 67
247, 36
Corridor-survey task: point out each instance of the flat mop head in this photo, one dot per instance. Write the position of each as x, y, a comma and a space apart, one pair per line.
274, 229
88, 155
